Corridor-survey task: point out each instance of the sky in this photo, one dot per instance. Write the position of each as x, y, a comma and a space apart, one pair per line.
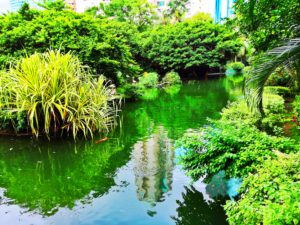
4, 5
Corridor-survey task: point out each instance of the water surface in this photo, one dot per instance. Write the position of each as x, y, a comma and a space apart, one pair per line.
132, 178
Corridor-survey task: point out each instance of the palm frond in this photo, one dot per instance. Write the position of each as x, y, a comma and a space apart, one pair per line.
287, 55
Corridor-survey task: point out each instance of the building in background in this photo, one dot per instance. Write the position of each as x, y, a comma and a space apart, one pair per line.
217, 9
223, 9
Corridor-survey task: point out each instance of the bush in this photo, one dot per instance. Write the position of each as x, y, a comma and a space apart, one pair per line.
272, 122
237, 66
239, 112
273, 103
278, 90
58, 95
271, 196
234, 147
296, 105
171, 78
12, 120
148, 80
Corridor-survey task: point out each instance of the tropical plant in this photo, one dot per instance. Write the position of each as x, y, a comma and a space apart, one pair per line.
287, 56
58, 95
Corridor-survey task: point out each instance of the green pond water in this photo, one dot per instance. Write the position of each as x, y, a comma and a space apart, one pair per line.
133, 178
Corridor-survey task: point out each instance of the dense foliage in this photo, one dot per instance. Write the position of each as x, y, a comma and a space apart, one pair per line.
270, 196
92, 40
56, 94
266, 23
192, 45
138, 12
236, 148
234, 143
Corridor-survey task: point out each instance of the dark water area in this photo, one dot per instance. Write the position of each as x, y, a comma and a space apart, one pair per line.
132, 178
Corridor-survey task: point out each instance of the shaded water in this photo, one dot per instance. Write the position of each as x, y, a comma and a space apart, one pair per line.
132, 178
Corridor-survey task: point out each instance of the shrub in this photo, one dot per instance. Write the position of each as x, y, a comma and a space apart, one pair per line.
234, 147
273, 103
148, 80
279, 90
239, 112
127, 90
12, 120
58, 95
271, 196
272, 122
171, 78
237, 66
296, 105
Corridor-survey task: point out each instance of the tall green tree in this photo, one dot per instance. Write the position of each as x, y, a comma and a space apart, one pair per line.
192, 46
104, 49
138, 12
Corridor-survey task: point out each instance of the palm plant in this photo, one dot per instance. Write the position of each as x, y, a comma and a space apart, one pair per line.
57, 94
286, 56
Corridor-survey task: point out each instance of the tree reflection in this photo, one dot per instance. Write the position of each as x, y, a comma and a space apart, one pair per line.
45, 176
195, 210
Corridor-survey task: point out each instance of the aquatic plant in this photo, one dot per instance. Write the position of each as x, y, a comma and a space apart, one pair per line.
58, 95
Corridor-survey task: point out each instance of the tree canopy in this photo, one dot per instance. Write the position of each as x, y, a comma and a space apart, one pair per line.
266, 23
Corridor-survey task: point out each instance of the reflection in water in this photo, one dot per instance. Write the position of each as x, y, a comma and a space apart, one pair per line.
153, 160
195, 210
221, 187
113, 182
56, 175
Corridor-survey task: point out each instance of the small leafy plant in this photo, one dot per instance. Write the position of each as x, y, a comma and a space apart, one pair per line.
171, 78
237, 66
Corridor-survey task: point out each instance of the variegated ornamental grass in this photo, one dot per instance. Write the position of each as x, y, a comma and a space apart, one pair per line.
59, 95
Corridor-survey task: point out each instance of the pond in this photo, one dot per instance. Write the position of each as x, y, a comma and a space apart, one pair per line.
132, 178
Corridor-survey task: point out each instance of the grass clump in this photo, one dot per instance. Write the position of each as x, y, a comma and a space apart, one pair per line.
58, 95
